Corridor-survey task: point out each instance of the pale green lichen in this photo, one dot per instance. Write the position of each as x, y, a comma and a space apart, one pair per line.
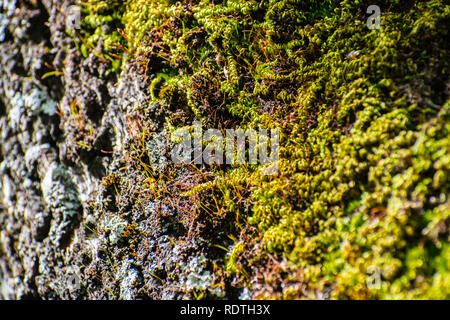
115, 226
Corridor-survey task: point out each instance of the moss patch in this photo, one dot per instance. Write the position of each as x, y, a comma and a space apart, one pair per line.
360, 206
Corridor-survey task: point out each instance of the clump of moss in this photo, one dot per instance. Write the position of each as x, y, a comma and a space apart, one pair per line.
362, 192
100, 31
354, 186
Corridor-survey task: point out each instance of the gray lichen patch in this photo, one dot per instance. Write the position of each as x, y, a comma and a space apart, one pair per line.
157, 148
36, 100
61, 195
115, 226
199, 278
128, 277
33, 154
39, 101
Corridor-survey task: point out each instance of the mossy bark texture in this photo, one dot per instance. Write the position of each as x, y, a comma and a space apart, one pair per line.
92, 207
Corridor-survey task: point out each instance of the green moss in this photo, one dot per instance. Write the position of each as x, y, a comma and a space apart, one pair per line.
366, 147
364, 163
99, 33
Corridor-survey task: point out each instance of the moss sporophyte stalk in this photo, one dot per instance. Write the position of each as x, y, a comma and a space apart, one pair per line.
356, 102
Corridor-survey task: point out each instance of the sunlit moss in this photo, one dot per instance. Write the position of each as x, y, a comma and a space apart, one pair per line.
364, 170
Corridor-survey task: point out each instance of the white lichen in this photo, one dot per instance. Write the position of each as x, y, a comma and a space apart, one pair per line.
156, 149
198, 278
39, 101
61, 195
128, 276
36, 100
32, 155
115, 226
